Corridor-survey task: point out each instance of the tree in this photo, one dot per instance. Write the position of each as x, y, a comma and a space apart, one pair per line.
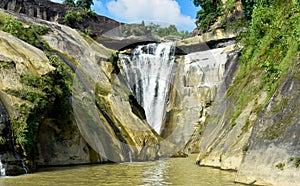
69, 3
249, 5
85, 4
211, 10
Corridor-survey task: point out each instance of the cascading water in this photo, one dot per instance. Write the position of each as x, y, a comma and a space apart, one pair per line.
10, 162
4, 120
148, 72
2, 169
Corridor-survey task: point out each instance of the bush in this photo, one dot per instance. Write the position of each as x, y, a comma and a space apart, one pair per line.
211, 10
26, 32
45, 97
270, 50
71, 18
113, 59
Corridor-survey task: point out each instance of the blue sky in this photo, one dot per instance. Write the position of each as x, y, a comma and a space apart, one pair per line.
164, 12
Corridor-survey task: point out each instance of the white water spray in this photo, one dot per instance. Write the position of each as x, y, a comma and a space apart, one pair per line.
2, 169
148, 71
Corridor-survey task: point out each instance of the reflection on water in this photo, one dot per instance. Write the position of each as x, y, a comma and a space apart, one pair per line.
179, 171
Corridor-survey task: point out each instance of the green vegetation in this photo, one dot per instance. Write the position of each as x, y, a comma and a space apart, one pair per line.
272, 41
280, 166
75, 18
270, 50
104, 91
155, 29
113, 59
212, 10
226, 15
70, 3
26, 32
71, 18
208, 14
45, 97
297, 162
171, 30
84, 4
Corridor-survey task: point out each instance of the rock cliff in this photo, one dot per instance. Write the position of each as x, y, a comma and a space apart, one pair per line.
252, 127
55, 12
101, 126
233, 121
197, 77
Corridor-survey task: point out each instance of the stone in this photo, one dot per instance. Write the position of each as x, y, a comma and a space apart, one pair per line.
275, 136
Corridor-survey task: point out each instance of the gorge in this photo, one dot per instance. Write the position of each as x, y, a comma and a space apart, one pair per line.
70, 98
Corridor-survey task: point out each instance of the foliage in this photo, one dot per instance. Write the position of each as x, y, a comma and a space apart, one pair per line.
85, 4
297, 162
104, 91
171, 30
70, 3
272, 35
45, 96
113, 59
270, 50
280, 166
209, 12
250, 5
133, 29
71, 18
26, 32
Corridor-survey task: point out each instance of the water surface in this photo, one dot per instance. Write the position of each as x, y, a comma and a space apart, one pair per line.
178, 171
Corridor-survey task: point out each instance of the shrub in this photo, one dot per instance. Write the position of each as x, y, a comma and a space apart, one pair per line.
71, 18
26, 32
113, 59
45, 96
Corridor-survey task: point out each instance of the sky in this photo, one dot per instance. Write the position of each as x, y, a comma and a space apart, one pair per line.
181, 13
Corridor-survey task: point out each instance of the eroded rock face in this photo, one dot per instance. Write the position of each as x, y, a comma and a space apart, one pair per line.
197, 78
216, 39
112, 133
50, 11
125, 132
273, 155
258, 139
17, 58
11, 164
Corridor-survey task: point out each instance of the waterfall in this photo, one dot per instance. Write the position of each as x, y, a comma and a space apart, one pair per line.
2, 169
10, 162
130, 156
4, 121
148, 72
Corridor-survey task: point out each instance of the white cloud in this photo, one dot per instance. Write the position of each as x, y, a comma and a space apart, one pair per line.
164, 12
57, 1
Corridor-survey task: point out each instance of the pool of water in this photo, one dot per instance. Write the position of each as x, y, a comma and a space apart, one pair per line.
177, 171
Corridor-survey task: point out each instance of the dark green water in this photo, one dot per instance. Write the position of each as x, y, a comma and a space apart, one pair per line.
179, 171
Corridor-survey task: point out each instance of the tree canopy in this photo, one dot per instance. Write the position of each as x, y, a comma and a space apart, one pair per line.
171, 30
210, 11
85, 4
69, 3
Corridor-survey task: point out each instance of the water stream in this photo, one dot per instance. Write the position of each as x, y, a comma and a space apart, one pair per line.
2, 169
177, 171
6, 137
148, 72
